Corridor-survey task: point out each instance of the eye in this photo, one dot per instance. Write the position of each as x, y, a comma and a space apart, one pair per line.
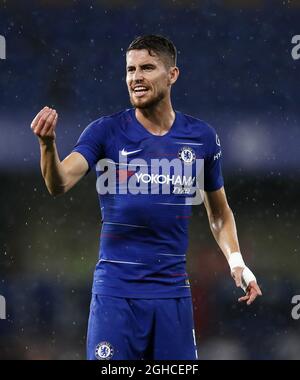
130, 69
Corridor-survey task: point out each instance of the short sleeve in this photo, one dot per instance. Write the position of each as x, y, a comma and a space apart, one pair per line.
91, 143
213, 178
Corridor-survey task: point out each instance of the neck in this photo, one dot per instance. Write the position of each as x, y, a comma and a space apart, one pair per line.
158, 119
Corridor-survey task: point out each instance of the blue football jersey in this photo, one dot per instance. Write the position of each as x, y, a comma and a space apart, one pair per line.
144, 205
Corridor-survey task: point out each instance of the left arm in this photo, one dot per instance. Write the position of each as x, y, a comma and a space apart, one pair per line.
222, 225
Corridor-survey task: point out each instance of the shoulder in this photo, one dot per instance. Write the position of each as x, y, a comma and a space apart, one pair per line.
200, 128
105, 123
108, 120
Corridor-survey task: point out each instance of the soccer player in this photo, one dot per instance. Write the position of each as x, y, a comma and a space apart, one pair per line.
141, 305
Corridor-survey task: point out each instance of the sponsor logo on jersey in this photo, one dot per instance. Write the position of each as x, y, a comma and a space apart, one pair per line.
104, 351
162, 179
217, 155
156, 177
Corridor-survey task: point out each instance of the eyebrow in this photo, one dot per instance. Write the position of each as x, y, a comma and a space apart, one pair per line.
142, 66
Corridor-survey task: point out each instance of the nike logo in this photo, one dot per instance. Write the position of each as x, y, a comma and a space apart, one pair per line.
126, 153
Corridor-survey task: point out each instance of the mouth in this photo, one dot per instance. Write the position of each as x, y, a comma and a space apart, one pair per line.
140, 91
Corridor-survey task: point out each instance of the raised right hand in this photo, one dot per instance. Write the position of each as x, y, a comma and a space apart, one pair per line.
43, 125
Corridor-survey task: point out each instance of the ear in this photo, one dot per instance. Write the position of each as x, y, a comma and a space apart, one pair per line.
173, 74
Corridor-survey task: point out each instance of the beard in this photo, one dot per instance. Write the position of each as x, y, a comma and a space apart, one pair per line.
149, 103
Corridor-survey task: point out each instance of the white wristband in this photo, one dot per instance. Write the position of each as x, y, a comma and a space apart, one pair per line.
248, 276
236, 260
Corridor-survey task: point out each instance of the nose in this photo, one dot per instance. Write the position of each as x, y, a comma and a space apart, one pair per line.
137, 76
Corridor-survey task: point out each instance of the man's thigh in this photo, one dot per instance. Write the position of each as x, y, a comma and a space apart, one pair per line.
117, 329
174, 335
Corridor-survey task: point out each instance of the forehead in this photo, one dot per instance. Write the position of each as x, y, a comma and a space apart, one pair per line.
141, 57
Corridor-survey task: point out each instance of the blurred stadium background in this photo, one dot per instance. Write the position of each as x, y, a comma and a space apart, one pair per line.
238, 74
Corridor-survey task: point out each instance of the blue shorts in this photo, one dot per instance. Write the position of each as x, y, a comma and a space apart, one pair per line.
141, 329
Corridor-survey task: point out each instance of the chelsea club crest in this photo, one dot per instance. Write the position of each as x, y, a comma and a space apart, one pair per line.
187, 155
104, 351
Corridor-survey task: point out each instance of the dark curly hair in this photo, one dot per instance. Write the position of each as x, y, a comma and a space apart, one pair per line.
156, 44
